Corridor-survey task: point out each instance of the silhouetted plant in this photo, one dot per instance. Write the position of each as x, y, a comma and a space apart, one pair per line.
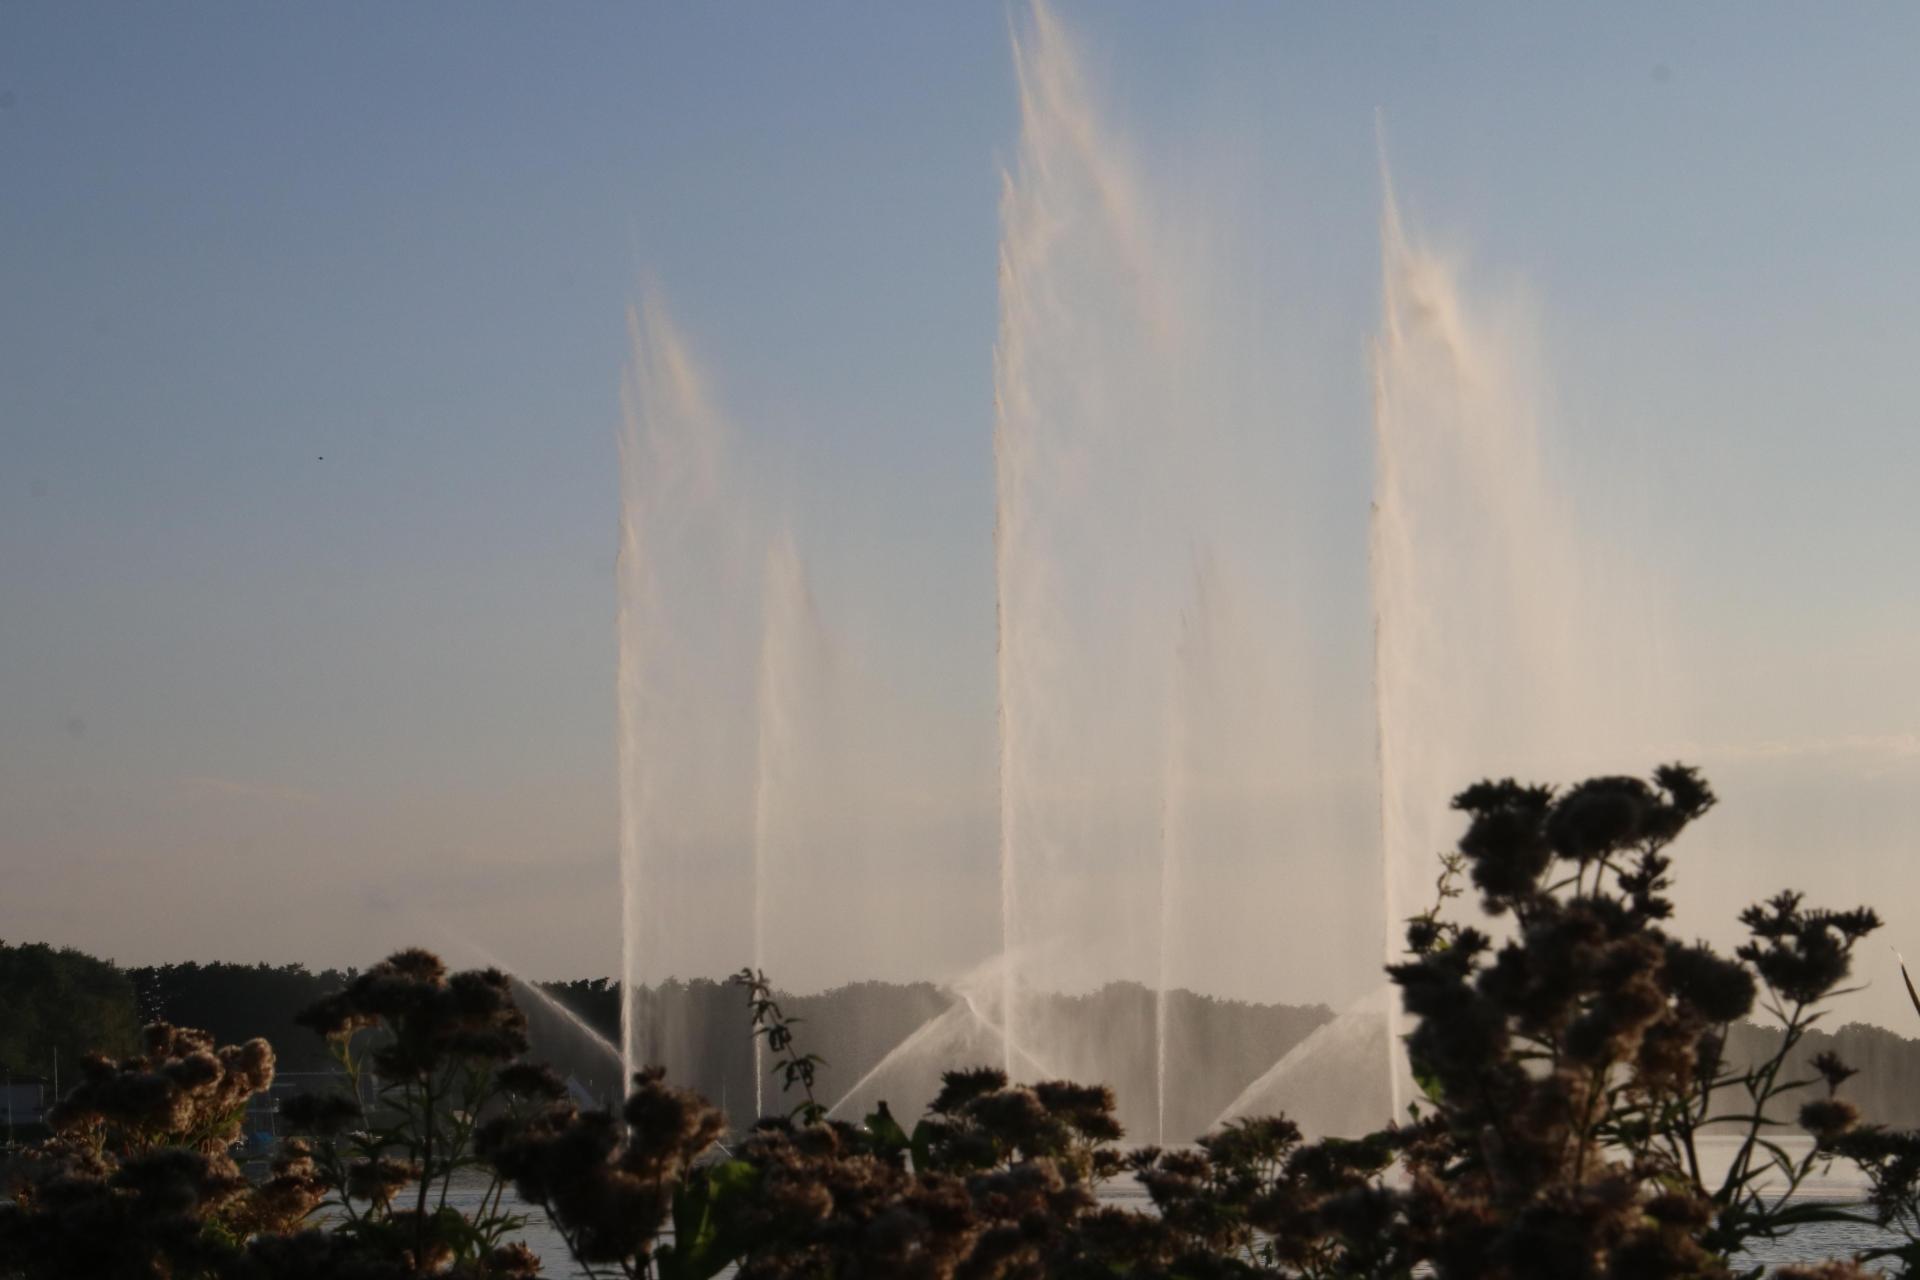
1572, 1068
1889, 1159
137, 1179
434, 1051
610, 1185
992, 1183
792, 1066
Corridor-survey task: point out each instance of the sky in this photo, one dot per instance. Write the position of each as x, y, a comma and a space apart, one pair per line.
313, 323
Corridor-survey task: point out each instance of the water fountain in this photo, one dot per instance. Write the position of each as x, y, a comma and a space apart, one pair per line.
1087, 550
797, 759
1152, 685
968, 1032
1498, 644
1148, 692
690, 575
729, 749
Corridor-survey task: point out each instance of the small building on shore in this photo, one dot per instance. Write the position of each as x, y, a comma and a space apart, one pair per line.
24, 1099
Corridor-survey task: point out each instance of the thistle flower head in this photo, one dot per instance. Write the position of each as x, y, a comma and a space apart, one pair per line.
1802, 954
667, 1128
1505, 845
1828, 1118
378, 1180
957, 1088
1832, 1069
181, 1093
1086, 1109
531, 1080
1720, 990
1600, 816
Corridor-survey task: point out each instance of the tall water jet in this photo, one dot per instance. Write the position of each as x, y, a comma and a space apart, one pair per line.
689, 640
1172, 816
1155, 748
1500, 648
1084, 434
742, 841
1498, 644
794, 749
1193, 705
1477, 637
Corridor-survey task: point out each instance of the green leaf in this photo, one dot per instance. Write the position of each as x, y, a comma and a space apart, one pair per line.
922, 1147
708, 1235
1904, 977
887, 1133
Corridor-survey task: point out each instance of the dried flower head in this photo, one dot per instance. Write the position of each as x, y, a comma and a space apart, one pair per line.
1828, 1118
1832, 1069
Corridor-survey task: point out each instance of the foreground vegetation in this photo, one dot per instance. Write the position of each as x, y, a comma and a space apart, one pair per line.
1572, 1056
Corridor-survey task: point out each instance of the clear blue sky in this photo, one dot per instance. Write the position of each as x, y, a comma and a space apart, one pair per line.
247, 694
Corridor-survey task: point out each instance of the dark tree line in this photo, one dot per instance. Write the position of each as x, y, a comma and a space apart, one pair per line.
236, 1003
60, 1002
62, 998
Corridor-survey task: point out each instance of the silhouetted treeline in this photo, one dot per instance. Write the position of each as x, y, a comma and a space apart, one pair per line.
237, 1002
59, 999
